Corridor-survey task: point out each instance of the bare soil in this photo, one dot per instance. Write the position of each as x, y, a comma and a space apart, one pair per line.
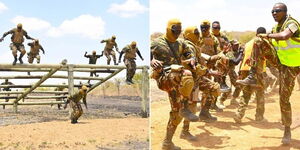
225, 133
112, 122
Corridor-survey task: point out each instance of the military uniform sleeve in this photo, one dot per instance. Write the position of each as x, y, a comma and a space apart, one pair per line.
27, 36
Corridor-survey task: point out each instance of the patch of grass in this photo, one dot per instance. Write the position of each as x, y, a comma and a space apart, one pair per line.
92, 141
1, 144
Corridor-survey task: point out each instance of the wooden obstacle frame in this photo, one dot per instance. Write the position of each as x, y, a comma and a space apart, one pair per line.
51, 69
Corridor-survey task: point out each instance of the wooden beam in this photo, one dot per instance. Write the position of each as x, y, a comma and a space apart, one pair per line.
54, 76
43, 92
145, 92
43, 85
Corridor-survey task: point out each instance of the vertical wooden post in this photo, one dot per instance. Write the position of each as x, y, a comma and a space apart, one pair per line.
15, 107
145, 92
71, 79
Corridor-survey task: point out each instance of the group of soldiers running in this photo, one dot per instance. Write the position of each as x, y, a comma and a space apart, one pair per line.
201, 62
129, 52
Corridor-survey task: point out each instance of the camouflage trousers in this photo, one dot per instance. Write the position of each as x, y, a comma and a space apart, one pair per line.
287, 76
210, 90
76, 111
247, 92
233, 77
186, 123
108, 53
31, 57
17, 47
130, 68
179, 88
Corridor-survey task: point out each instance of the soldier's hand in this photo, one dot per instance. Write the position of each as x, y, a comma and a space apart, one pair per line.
1, 39
44, 53
119, 61
142, 59
156, 64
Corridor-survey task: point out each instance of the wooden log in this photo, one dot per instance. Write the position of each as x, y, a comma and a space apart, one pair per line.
43, 92
34, 103
33, 97
105, 79
43, 85
145, 92
54, 76
44, 78
63, 69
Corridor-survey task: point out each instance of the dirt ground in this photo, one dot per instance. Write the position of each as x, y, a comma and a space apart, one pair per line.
110, 123
225, 133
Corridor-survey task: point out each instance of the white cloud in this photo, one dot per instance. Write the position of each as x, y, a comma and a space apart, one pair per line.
31, 24
129, 8
2, 7
84, 25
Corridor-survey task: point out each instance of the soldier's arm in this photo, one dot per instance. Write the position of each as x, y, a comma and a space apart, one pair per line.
85, 55
284, 35
5, 34
67, 102
27, 36
30, 44
116, 46
103, 41
139, 53
42, 49
121, 54
84, 101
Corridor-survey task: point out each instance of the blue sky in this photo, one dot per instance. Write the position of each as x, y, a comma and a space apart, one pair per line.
234, 15
66, 29
60, 28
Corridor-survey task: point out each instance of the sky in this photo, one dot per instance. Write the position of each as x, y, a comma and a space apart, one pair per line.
66, 29
234, 15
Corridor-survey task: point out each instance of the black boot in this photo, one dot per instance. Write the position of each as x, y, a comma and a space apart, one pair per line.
286, 139
250, 79
224, 88
15, 61
215, 107
205, 115
167, 143
73, 121
20, 58
186, 113
187, 135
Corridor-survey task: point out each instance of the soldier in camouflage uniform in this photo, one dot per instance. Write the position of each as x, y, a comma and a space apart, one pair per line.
92, 60
287, 29
59, 99
35, 48
171, 60
108, 49
6, 82
129, 60
260, 47
209, 45
74, 101
17, 42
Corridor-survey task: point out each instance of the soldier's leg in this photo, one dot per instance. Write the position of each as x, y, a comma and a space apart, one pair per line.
173, 122
128, 66
260, 105
240, 113
23, 52
132, 70
287, 76
113, 54
30, 58
38, 58
14, 53
76, 111
108, 57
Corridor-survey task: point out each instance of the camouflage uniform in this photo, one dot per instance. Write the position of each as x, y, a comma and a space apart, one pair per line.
287, 76
6, 89
108, 50
209, 45
17, 39
174, 82
129, 60
35, 48
262, 50
92, 60
74, 102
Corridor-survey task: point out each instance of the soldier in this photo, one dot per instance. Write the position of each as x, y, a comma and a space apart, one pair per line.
253, 49
192, 36
167, 55
6, 82
209, 45
129, 60
92, 60
286, 40
74, 101
108, 50
35, 48
17, 42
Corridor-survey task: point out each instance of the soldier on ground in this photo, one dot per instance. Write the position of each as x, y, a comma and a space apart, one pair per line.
59, 99
17, 39
35, 48
285, 38
130, 52
74, 101
169, 55
108, 49
92, 60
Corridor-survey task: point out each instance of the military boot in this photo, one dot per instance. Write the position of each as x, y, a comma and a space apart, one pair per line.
167, 143
20, 58
15, 61
220, 104
224, 88
186, 113
215, 107
286, 139
250, 79
73, 121
205, 115
237, 118
187, 136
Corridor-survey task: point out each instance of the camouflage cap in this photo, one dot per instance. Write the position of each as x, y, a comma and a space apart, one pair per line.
19, 25
234, 42
133, 43
205, 23
113, 37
